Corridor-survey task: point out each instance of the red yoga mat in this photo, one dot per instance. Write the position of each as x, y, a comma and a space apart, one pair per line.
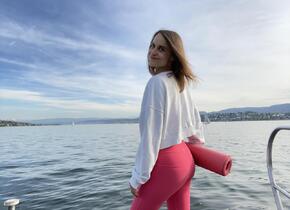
210, 159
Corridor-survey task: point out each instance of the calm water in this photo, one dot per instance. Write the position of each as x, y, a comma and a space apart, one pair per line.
88, 166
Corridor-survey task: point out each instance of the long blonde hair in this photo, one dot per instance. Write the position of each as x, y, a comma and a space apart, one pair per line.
180, 66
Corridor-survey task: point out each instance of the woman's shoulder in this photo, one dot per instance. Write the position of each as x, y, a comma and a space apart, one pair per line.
156, 85
162, 78
157, 80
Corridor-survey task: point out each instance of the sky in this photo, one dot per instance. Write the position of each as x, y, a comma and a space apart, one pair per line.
83, 59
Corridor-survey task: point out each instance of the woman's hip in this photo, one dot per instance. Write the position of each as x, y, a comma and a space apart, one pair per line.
176, 156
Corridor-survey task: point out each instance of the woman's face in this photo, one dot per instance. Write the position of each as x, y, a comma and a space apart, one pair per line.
159, 54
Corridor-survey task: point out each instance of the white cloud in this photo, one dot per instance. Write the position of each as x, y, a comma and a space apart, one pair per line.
108, 86
31, 35
32, 96
240, 49
123, 86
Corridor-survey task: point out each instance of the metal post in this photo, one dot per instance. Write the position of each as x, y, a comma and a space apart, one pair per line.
11, 203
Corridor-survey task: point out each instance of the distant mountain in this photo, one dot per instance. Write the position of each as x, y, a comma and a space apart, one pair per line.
56, 121
279, 108
75, 121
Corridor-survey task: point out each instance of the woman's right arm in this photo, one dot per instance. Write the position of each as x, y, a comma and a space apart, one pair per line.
151, 127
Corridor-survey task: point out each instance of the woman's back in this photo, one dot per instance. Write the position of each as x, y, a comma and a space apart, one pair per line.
181, 118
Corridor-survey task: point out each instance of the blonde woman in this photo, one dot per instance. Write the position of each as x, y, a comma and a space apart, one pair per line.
169, 119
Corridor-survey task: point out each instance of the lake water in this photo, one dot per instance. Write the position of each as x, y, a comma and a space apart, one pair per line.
86, 167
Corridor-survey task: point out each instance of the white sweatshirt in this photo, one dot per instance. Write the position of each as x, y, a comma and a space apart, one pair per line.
167, 117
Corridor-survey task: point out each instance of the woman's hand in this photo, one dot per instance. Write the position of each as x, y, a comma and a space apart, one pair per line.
134, 191
194, 140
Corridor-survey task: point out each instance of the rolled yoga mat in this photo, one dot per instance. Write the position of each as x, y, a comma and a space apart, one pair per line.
210, 159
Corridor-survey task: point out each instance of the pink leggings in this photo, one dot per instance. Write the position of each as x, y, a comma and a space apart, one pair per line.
170, 181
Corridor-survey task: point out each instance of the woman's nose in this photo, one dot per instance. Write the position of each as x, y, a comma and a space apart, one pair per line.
153, 51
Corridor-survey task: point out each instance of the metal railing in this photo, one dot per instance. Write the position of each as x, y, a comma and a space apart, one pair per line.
275, 188
11, 203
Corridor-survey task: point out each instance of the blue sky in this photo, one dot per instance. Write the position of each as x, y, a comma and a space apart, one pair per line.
88, 58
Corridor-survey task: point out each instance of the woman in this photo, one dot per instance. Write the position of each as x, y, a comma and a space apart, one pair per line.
168, 120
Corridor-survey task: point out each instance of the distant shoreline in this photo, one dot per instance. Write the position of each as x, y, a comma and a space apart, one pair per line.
8, 123
4, 123
266, 113
245, 116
